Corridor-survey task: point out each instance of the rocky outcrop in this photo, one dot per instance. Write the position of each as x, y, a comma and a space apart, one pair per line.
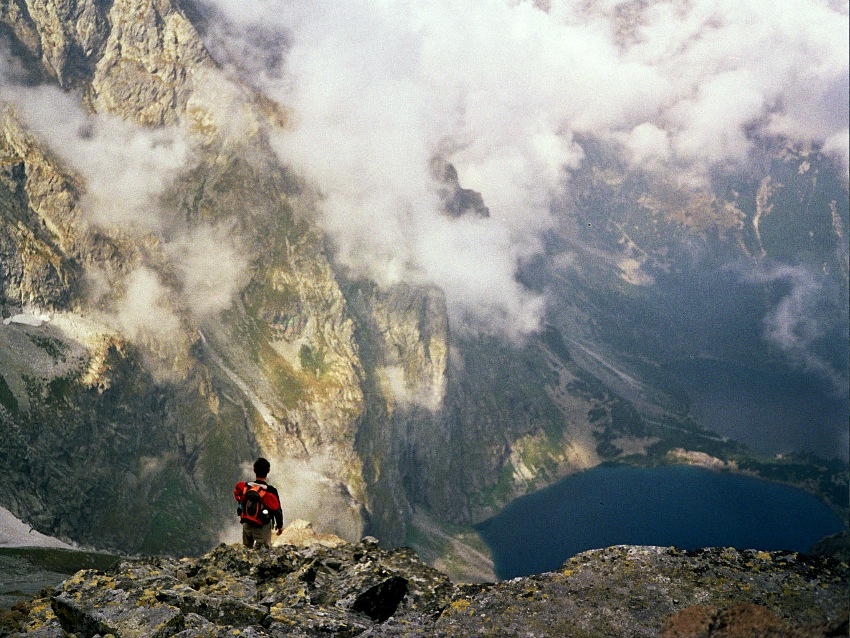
135, 59
325, 587
705, 621
457, 201
640, 591
403, 338
39, 245
836, 546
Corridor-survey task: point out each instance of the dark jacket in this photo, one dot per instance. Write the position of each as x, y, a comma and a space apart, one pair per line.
271, 499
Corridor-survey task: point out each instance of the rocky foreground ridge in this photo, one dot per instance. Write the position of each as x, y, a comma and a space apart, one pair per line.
319, 585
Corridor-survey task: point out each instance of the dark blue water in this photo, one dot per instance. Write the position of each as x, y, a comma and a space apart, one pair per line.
772, 411
677, 506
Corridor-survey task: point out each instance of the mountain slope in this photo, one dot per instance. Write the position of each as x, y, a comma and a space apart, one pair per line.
174, 309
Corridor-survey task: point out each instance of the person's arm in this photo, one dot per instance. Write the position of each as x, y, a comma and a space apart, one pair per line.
278, 520
271, 500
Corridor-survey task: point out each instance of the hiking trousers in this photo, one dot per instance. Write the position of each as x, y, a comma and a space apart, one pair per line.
257, 536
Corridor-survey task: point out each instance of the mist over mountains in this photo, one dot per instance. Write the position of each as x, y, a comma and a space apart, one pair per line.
517, 97
421, 255
508, 92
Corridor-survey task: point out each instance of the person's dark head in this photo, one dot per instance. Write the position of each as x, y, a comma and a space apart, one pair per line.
262, 467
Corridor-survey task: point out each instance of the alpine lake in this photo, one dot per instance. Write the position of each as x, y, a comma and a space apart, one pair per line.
680, 506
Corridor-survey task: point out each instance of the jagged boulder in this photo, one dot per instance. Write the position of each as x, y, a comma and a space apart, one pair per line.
345, 590
318, 588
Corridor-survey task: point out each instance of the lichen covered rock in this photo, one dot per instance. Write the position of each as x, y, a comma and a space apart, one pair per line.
347, 590
632, 591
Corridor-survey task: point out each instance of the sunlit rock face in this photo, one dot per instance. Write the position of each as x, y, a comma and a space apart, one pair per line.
181, 309
193, 325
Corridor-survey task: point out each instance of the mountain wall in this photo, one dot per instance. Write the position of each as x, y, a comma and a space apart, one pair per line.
168, 404
335, 381
172, 309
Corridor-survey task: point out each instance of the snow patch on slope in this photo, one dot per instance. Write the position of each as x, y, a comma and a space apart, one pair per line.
15, 533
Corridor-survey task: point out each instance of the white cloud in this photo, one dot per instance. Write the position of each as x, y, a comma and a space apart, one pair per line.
309, 490
125, 167
837, 146
212, 268
145, 311
648, 145
738, 65
797, 323
125, 170
503, 90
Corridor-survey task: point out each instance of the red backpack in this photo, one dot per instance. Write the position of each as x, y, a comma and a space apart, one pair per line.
254, 510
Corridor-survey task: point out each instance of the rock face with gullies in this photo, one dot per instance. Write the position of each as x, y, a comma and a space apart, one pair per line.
39, 245
361, 395
319, 585
137, 59
174, 414
403, 335
347, 388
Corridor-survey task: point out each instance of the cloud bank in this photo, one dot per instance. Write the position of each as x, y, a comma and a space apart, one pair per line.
126, 169
503, 90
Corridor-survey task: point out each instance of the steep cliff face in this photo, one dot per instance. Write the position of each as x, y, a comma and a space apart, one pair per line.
182, 396
403, 335
156, 341
203, 379
137, 59
39, 240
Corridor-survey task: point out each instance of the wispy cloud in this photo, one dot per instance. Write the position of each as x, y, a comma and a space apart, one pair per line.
125, 167
125, 170
798, 323
211, 266
503, 90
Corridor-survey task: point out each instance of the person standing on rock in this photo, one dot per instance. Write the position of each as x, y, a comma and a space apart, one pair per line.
258, 507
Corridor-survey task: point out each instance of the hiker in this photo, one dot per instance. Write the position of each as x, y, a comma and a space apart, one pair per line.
258, 507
